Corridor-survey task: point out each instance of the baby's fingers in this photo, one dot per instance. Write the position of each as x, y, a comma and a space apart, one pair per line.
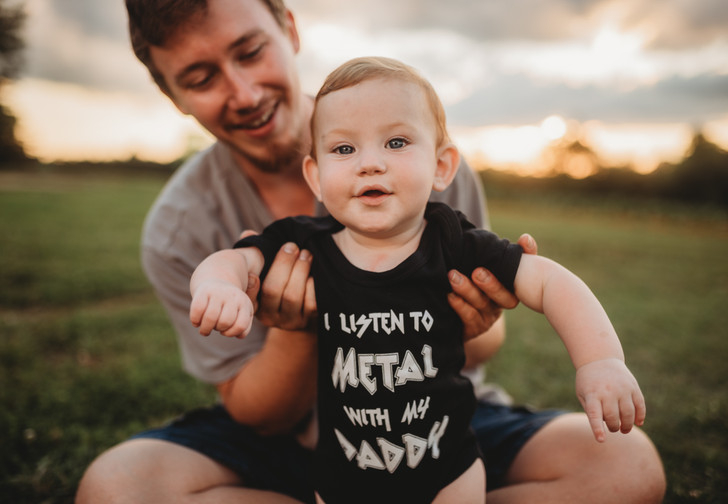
209, 315
197, 309
595, 413
236, 320
632, 410
626, 415
640, 408
615, 415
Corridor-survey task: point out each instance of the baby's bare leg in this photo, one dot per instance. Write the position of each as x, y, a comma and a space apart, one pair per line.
469, 488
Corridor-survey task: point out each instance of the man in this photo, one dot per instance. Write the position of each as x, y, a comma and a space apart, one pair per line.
230, 64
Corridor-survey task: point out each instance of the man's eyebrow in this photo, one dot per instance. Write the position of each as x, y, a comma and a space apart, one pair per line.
238, 42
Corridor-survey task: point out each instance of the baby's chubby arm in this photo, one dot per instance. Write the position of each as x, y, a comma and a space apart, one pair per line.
605, 387
218, 287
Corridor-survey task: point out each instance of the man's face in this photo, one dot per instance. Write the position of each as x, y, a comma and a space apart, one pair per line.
233, 69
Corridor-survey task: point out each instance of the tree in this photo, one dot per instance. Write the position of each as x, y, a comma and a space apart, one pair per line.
11, 59
703, 174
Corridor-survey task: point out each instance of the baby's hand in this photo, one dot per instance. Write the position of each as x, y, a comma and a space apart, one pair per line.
222, 306
610, 394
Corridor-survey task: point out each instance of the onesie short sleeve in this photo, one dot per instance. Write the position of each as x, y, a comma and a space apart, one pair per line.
300, 230
467, 247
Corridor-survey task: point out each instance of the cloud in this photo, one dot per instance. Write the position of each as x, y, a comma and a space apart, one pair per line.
516, 99
99, 20
682, 24
512, 61
82, 42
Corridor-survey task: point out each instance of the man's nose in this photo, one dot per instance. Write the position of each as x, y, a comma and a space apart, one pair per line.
243, 91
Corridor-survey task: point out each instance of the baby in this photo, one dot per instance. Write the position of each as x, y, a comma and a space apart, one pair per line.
393, 407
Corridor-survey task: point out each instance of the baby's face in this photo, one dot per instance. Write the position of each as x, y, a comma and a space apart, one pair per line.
376, 155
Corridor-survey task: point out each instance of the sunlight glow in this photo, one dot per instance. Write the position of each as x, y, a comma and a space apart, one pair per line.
553, 127
644, 146
611, 57
530, 149
717, 132
69, 123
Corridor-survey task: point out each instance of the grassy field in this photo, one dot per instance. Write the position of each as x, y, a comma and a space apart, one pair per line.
87, 356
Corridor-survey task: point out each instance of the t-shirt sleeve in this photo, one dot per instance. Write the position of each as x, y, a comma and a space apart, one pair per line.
269, 243
299, 230
471, 247
498, 255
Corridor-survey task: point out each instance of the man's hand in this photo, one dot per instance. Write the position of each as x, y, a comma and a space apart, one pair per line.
479, 303
287, 299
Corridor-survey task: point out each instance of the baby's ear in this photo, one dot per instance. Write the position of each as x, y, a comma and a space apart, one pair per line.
448, 160
311, 174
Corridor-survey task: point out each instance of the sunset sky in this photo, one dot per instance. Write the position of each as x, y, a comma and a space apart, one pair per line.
633, 79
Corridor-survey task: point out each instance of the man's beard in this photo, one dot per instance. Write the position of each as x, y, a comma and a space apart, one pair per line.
280, 158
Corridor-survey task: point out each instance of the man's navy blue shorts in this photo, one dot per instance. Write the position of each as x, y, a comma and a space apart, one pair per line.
280, 464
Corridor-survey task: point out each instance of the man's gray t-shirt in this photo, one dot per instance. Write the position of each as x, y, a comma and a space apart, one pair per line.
203, 208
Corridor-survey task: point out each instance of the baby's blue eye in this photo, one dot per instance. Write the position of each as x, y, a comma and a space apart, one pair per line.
344, 149
396, 143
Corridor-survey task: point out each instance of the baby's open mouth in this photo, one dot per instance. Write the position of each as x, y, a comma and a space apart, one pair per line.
373, 193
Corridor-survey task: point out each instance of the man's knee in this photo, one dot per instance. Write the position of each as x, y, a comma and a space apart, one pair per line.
648, 481
150, 470
626, 468
105, 480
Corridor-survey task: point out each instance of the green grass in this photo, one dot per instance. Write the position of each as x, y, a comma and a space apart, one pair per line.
663, 279
87, 356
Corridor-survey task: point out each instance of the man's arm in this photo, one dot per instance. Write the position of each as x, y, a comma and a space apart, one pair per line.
260, 395
265, 382
276, 388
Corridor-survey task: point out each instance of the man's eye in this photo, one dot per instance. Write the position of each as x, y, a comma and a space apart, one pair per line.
250, 54
198, 83
197, 80
344, 149
396, 143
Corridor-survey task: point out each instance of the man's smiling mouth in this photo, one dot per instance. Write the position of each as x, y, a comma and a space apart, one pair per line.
258, 122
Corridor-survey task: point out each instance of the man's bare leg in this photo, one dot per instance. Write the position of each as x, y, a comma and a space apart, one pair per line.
149, 470
562, 463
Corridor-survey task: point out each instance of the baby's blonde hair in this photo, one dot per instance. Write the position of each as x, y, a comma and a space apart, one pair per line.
358, 70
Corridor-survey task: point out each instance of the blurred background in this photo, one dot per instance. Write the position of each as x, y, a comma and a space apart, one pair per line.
599, 126
633, 80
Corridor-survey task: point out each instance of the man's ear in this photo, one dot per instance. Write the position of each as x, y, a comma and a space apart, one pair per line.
292, 31
311, 174
448, 160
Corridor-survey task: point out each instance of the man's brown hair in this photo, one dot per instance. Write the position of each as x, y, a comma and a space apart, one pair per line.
153, 22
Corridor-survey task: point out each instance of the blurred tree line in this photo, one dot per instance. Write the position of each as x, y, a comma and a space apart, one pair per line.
11, 47
701, 177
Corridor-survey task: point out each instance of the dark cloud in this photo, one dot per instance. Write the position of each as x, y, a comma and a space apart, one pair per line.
96, 18
476, 19
85, 42
517, 100
680, 23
